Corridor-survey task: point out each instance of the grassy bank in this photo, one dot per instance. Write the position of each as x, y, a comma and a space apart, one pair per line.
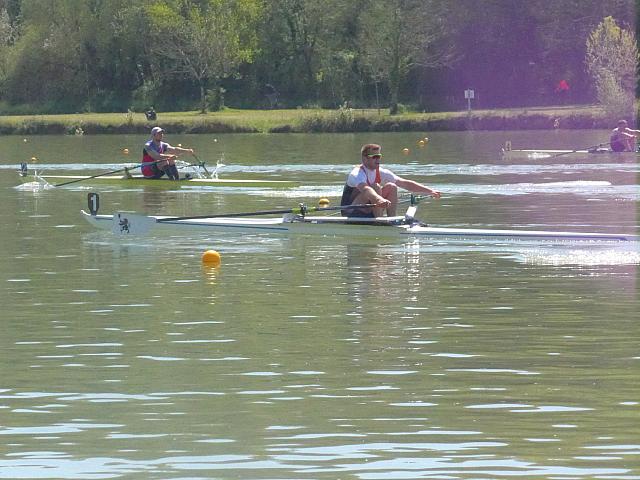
308, 120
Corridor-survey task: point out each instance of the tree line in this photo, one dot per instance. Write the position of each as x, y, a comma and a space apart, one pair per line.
112, 55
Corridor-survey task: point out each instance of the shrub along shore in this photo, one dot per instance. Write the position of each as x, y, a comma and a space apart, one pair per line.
309, 121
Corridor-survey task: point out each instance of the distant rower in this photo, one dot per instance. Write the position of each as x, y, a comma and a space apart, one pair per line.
623, 138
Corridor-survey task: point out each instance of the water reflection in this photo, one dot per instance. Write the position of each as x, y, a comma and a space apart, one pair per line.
321, 356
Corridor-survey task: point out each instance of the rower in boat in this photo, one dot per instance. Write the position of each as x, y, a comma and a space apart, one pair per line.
161, 157
623, 138
369, 183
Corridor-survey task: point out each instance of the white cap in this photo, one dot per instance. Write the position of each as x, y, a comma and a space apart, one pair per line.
156, 130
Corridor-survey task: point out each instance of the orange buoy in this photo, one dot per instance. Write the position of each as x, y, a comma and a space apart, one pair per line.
211, 258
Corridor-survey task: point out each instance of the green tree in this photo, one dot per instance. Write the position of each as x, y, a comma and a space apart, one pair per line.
205, 41
7, 37
49, 45
612, 63
399, 35
86, 55
302, 50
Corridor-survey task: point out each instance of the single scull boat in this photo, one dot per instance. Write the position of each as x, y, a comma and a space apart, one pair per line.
600, 150
139, 181
296, 221
126, 179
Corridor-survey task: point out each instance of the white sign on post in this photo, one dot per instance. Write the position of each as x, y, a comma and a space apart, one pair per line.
469, 94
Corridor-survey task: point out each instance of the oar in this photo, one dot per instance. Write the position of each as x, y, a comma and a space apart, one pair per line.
578, 149
105, 173
301, 210
124, 223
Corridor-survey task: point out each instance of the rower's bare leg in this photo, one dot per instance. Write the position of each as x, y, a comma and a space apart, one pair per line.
172, 170
362, 199
390, 192
378, 211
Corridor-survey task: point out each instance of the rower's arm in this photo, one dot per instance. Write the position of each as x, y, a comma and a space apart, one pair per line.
416, 187
157, 156
181, 150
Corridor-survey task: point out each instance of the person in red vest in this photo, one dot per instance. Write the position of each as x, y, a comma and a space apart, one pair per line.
160, 157
562, 89
369, 183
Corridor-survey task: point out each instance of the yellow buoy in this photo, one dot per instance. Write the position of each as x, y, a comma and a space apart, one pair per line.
24, 140
34, 159
125, 151
421, 143
405, 151
211, 257
323, 202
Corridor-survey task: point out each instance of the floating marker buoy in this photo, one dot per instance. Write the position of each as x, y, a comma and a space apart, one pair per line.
323, 202
180, 145
125, 151
211, 257
421, 143
34, 159
215, 140
24, 140
405, 151
426, 139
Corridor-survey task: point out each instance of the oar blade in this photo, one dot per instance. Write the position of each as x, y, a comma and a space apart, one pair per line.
126, 223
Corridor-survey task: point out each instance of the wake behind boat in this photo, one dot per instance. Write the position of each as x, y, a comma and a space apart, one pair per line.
296, 221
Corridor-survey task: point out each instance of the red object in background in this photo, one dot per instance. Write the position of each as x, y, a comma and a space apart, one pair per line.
563, 86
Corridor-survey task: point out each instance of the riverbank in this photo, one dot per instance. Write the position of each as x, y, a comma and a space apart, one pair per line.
309, 121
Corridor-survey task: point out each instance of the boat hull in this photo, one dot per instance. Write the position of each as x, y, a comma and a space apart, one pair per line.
334, 226
138, 181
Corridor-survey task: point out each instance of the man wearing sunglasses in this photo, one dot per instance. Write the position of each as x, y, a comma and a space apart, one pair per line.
369, 183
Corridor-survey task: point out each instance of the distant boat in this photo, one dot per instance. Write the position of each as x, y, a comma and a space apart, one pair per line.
140, 181
598, 150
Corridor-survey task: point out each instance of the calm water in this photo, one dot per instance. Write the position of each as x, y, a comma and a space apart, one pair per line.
321, 358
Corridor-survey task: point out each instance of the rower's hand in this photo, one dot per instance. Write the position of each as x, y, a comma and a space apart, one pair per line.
383, 203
